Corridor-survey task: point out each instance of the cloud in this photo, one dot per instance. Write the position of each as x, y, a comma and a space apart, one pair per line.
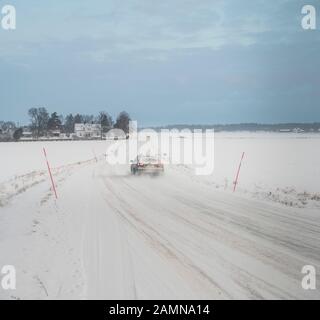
165, 61
122, 26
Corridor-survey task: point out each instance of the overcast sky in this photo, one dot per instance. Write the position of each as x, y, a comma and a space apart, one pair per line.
165, 62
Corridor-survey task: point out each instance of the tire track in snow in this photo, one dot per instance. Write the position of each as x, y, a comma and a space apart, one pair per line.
23, 183
255, 285
159, 242
238, 272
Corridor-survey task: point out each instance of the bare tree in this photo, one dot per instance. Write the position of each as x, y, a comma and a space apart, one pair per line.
7, 125
39, 121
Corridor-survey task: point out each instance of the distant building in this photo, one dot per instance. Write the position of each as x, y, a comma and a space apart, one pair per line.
26, 134
284, 130
55, 133
87, 130
115, 134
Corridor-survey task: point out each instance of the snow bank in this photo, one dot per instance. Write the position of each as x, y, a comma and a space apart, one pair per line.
280, 167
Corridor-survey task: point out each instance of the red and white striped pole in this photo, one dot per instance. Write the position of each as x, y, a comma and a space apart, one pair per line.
237, 176
51, 177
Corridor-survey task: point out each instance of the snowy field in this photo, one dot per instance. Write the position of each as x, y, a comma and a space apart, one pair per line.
113, 235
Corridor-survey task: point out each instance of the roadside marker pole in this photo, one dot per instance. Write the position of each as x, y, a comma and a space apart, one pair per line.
237, 176
49, 169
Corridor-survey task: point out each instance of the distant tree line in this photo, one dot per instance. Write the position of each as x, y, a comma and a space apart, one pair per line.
6, 129
42, 123
253, 127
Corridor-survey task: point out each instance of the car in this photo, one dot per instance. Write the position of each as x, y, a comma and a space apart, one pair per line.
147, 164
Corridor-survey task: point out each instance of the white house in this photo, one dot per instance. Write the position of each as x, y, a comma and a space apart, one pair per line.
87, 130
297, 130
55, 133
26, 134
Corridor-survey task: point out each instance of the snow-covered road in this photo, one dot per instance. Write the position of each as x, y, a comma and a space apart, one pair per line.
113, 235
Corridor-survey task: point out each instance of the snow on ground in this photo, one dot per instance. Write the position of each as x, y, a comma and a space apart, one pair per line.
113, 235
280, 167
